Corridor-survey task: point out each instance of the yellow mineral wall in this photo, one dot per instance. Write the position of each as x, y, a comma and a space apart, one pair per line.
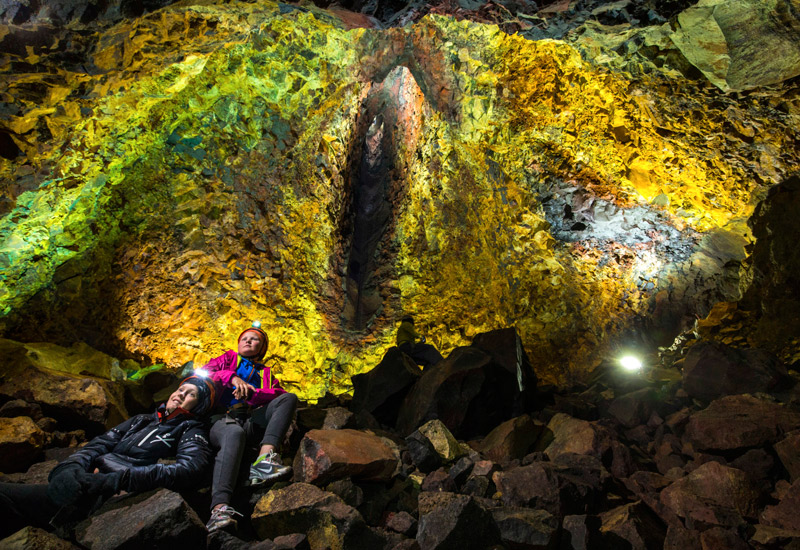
197, 179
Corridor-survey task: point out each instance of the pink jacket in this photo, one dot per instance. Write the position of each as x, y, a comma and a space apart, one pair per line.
221, 369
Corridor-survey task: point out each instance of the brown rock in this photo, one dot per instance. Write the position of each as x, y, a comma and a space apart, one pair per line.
160, 519
401, 522
581, 532
439, 480
718, 538
20, 407
739, 421
680, 538
33, 538
37, 473
712, 370
337, 418
93, 404
713, 494
326, 455
469, 392
323, 517
381, 391
442, 440
511, 439
633, 408
775, 537
21, 443
784, 514
524, 528
556, 487
448, 520
634, 524
788, 451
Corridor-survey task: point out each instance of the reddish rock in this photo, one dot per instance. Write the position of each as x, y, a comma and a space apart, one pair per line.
712, 370
323, 517
401, 522
580, 532
740, 421
713, 494
526, 529
21, 443
555, 487
633, 408
775, 537
381, 391
718, 538
160, 519
439, 480
326, 455
469, 392
92, 404
33, 538
758, 464
784, 514
571, 435
448, 520
633, 526
511, 439
788, 451
680, 538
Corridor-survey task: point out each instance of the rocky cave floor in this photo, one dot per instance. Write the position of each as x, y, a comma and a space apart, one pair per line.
700, 453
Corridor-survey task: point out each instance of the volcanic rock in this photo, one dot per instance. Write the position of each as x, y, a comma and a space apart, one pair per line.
160, 519
33, 538
712, 370
524, 528
448, 520
784, 514
381, 390
323, 517
326, 455
511, 439
788, 451
635, 524
713, 494
21, 443
740, 421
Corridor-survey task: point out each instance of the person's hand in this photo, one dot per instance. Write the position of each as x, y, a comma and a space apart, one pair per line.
106, 485
66, 487
241, 389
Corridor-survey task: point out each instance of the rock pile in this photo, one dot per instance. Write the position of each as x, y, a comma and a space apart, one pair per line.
677, 461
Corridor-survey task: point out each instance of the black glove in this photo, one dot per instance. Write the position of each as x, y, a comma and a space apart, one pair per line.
65, 487
101, 487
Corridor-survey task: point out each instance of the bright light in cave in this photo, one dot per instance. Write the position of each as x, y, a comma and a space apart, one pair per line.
647, 264
630, 363
201, 372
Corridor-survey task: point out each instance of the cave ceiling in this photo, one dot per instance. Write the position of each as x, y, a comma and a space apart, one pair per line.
170, 175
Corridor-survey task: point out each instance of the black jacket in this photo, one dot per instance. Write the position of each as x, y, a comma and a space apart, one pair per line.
138, 443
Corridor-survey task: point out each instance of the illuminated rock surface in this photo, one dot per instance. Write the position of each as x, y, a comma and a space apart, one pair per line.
170, 176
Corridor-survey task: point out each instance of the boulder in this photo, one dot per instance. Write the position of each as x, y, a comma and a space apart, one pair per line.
526, 529
21, 443
633, 408
632, 526
77, 402
20, 407
680, 538
571, 435
788, 451
468, 391
718, 538
382, 390
784, 514
505, 348
439, 480
446, 446
511, 439
33, 538
221, 540
739, 421
337, 418
322, 516
423, 453
573, 485
775, 537
713, 494
326, 455
712, 370
580, 532
37, 473
160, 519
448, 520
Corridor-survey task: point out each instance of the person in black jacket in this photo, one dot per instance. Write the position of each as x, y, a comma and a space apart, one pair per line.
123, 459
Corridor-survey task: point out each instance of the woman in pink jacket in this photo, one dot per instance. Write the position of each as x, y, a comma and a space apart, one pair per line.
258, 412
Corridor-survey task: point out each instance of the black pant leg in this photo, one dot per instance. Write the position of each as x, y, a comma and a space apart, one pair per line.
23, 504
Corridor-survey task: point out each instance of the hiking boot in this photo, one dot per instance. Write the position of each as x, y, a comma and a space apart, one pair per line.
268, 467
222, 518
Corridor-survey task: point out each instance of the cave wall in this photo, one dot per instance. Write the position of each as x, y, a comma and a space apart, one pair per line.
171, 175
